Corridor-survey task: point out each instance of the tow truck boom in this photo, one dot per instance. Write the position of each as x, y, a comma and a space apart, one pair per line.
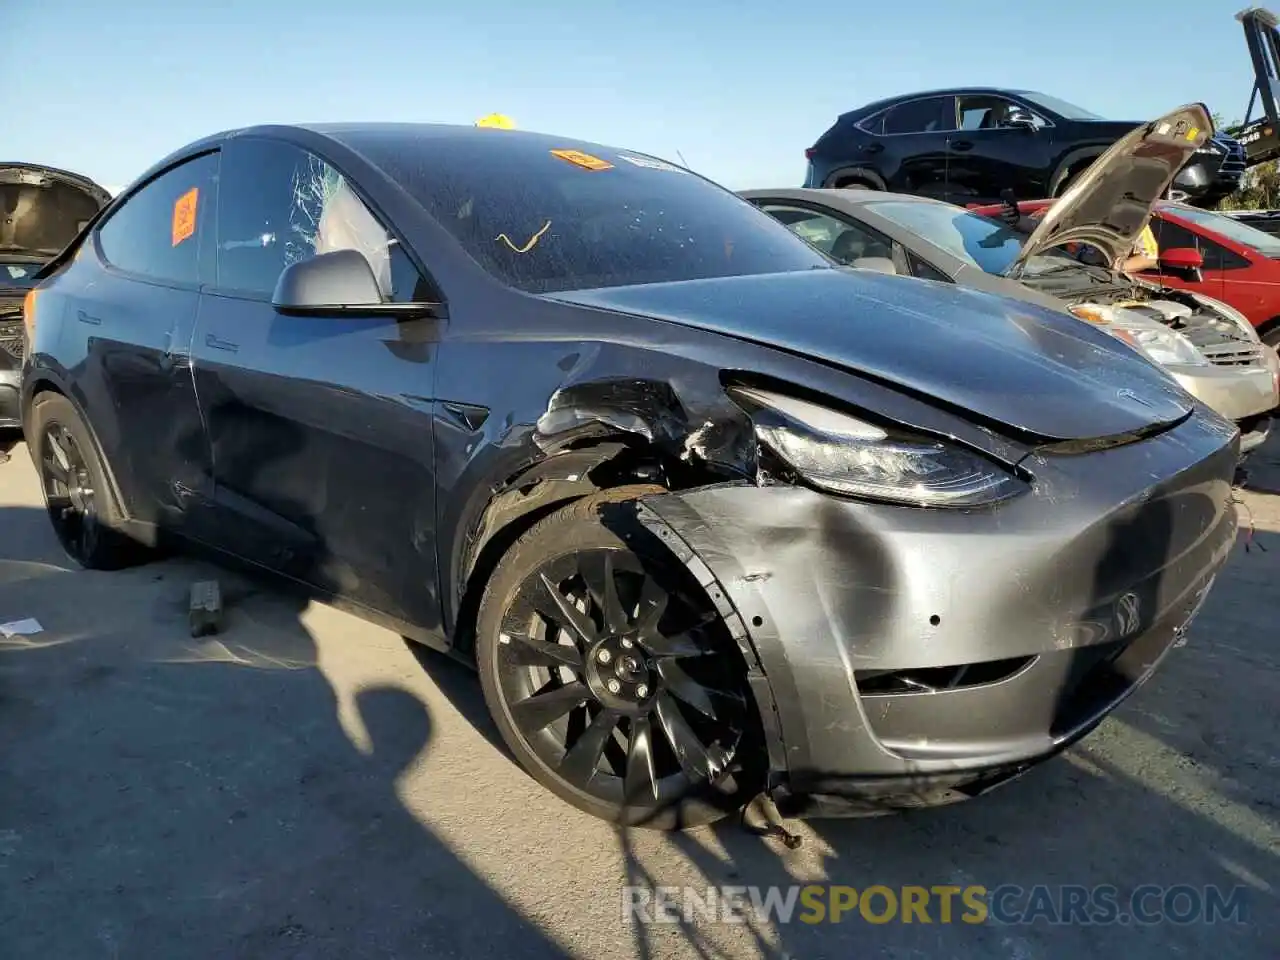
1261, 136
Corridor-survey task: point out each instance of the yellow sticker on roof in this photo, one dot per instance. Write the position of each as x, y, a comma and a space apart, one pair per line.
1191, 134
184, 215
584, 160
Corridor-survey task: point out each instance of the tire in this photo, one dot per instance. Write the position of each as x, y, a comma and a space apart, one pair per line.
1272, 337
85, 517
592, 688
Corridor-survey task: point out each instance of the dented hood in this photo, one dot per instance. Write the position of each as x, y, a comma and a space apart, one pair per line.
1006, 363
42, 209
1109, 205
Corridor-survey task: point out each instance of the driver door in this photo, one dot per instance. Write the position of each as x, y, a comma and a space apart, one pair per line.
320, 428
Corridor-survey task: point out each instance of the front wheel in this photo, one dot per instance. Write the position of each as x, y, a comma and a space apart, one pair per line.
611, 676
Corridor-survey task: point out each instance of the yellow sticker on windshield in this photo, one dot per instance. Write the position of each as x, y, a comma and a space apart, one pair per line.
584, 160
184, 215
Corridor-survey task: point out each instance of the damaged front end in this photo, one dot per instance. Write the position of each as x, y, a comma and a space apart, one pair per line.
916, 656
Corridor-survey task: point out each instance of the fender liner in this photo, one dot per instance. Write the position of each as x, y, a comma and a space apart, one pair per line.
744, 614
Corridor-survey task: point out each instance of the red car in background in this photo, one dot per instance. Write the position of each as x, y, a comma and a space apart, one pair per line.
1239, 264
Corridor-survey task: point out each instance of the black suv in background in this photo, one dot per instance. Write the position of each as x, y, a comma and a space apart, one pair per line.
968, 145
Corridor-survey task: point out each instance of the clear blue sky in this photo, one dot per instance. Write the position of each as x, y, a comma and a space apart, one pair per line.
739, 87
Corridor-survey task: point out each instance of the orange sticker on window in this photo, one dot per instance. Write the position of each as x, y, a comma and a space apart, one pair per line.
584, 160
184, 215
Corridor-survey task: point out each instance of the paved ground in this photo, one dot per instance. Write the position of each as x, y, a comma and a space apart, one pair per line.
306, 786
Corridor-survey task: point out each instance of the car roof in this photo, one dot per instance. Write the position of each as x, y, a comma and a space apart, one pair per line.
370, 140
877, 105
836, 198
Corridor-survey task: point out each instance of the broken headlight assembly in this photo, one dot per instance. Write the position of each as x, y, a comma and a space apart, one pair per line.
841, 454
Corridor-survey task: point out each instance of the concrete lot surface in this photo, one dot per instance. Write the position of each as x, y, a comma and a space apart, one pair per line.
306, 786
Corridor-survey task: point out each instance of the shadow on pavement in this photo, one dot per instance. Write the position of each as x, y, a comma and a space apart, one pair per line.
164, 797
459, 683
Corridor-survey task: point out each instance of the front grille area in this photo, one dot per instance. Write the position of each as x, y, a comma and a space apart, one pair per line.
883, 683
1220, 341
1241, 354
1233, 165
12, 338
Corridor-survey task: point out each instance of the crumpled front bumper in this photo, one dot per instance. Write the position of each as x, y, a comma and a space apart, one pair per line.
913, 656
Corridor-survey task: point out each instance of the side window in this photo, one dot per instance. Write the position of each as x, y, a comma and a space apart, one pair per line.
158, 232
874, 124
1170, 235
279, 205
989, 113
1220, 258
926, 271
837, 238
1216, 256
932, 115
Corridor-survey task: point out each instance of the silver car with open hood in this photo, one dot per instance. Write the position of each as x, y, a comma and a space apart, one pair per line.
1209, 348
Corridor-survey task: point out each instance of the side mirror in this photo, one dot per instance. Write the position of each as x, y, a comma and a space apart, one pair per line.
338, 284
878, 264
1187, 261
1020, 119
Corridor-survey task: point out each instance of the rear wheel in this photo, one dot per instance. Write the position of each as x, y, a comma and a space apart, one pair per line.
83, 513
611, 676
1271, 335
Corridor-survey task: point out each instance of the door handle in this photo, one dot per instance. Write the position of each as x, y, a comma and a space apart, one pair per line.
213, 343
873, 148
961, 145
87, 318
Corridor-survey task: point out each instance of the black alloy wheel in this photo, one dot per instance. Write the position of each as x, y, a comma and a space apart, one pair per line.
613, 678
69, 491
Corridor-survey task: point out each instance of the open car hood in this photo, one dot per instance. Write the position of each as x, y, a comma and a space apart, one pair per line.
42, 209
1109, 205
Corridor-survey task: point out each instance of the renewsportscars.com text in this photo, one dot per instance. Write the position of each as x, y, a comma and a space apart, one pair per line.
1008, 904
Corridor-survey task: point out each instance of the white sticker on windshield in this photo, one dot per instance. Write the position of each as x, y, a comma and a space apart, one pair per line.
650, 163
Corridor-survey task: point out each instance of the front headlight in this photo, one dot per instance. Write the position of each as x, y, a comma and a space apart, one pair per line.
1161, 346
841, 454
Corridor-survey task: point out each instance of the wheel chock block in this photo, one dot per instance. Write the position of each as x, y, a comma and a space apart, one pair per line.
205, 615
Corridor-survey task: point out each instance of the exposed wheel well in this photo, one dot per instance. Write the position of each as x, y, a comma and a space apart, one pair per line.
1073, 170
853, 181
42, 387
636, 465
